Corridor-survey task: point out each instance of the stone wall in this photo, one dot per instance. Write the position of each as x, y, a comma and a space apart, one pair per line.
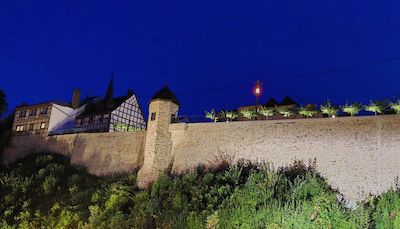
358, 155
101, 153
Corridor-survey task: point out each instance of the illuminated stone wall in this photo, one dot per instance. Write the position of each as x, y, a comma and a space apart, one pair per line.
100, 153
157, 153
357, 155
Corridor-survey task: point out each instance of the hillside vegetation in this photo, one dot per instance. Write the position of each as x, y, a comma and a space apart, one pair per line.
44, 191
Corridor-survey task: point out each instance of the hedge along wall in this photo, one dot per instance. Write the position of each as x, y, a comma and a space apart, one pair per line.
357, 155
100, 153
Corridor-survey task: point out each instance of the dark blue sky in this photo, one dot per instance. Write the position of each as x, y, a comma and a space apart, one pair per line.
208, 52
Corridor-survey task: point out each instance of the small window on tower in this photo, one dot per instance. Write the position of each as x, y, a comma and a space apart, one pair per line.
153, 116
173, 118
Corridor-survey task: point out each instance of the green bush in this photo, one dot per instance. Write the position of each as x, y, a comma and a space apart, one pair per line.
45, 192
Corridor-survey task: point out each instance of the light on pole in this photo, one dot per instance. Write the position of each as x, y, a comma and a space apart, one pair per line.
257, 92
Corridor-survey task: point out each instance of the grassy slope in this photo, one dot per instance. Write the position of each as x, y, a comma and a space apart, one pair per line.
44, 191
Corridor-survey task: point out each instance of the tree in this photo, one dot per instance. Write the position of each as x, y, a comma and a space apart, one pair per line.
212, 115
352, 109
249, 114
3, 103
286, 111
308, 111
396, 106
329, 109
376, 106
230, 115
266, 111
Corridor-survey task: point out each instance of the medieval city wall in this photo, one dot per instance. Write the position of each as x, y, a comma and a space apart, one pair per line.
358, 155
100, 153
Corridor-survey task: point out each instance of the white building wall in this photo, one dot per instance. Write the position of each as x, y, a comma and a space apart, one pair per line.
63, 117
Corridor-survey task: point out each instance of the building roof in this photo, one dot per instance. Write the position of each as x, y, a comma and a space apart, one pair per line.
25, 105
166, 94
287, 101
102, 106
271, 103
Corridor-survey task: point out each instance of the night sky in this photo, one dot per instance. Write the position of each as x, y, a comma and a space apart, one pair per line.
210, 53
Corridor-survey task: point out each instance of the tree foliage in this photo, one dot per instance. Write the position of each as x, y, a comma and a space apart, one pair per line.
286, 111
395, 106
308, 111
230, 115
212, 115
352, 109
329, 109
248, 113
44, 191
376, 106
266, 111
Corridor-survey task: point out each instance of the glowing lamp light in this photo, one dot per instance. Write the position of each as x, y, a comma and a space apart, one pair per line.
257, 89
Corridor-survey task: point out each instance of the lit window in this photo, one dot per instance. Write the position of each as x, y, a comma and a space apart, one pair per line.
22, 114
42, 125
153, 116
20, 128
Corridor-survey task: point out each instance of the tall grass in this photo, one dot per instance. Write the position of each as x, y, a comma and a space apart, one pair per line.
43, 191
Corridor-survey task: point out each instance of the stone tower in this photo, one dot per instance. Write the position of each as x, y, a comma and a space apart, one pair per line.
163, 109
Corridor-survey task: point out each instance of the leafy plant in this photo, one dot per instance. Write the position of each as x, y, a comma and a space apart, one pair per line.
395, 106
230, 115
266, 111
352, 109
376, 106
286, 111
212, 115
329, 109
249, 114
308, 111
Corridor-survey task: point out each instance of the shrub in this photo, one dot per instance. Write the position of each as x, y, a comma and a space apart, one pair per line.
376, 106
286, 111
395, 106
352, 109
49, 184
249, 114
212, 115
308, 111
329, 109
230, 115
266, 111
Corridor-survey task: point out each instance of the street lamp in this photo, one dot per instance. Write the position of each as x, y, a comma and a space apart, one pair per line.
257, 92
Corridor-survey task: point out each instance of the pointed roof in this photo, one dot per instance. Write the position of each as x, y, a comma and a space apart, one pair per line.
288, 101
165, 94
271, 103
110, 91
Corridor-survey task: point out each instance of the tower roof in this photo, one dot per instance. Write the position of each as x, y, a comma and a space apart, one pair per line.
288, 101
165, 94
110, 91
271, 103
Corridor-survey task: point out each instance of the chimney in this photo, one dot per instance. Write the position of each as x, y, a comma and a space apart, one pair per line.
76, 96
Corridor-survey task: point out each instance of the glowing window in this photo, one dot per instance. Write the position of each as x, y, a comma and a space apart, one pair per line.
42, 125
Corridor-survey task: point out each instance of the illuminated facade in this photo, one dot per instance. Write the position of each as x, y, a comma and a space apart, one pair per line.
111, 114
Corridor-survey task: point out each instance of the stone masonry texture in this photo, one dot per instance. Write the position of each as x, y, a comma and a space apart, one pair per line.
357, 155
100, 153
